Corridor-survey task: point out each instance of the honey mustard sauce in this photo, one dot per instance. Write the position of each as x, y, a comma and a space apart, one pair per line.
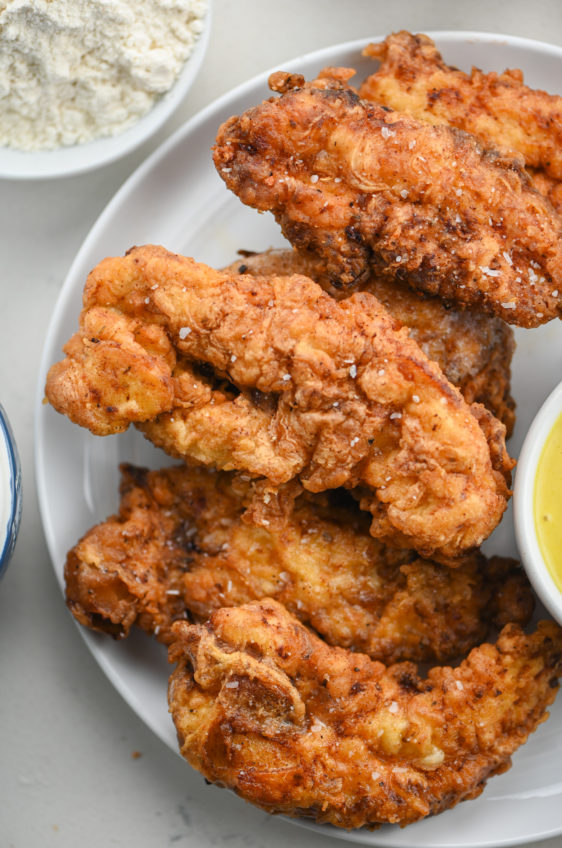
548, 502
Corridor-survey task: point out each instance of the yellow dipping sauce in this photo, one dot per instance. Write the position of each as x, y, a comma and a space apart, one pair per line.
548, 502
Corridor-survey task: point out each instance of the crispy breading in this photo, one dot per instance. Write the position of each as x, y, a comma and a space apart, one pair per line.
184, 542
473, 350
371, 190
334, 394
264, 707
548, 186
497, 107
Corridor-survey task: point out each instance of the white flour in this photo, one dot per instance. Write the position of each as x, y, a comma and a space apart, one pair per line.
74, 70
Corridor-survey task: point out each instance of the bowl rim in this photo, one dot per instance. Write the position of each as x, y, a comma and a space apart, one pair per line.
66, 161
523, 497
7, 441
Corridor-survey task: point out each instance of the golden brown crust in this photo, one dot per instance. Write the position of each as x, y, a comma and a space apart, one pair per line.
371, 190
498, 108
184, 542
549, 186
473, 350
265, 708
332, 393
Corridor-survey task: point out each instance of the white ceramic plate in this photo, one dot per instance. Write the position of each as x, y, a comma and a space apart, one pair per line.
176, 199
79, 158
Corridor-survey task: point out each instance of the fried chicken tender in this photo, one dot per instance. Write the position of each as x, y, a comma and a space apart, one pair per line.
473, 350
334, 394
498, 108
372, 191
184, 542
265, 708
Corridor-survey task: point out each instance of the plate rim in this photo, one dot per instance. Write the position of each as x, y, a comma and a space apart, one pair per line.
68, 290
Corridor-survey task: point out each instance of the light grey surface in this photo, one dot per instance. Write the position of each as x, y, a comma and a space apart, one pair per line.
68, 776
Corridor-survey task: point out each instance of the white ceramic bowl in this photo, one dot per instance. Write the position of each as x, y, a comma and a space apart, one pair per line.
10, 492
523, 504
79, 158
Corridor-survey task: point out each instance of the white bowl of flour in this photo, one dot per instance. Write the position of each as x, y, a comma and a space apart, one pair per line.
83, 82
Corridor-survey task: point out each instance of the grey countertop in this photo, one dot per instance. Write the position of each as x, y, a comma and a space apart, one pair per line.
70, 773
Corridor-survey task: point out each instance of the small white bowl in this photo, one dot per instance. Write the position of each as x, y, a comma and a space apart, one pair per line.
523, 504
10, 492
79, 158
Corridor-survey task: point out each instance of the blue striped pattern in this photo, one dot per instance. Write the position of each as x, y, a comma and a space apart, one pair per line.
15, 492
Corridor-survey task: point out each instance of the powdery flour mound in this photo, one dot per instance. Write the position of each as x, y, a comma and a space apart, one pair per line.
74, 70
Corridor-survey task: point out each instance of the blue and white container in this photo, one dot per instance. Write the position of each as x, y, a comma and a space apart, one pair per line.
10, 492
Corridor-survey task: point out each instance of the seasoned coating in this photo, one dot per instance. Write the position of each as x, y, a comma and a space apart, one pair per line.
264, 707
473, 350
498, 108
334, 394
184, 542
548, 186
370, 190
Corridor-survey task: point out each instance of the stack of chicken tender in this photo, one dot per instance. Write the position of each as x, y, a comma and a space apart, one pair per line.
339, 411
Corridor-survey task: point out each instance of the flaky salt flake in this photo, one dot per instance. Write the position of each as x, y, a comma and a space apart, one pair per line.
507, 257
412, 144
314, 178
554, 293
404, 193
394, 415
354, 441
393, 708
459, 685
511, 305
172, 591
387, 133
184, 331
375, 775
231, 684
489, 271
416, 398
353, 371
286, 377
233, 358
